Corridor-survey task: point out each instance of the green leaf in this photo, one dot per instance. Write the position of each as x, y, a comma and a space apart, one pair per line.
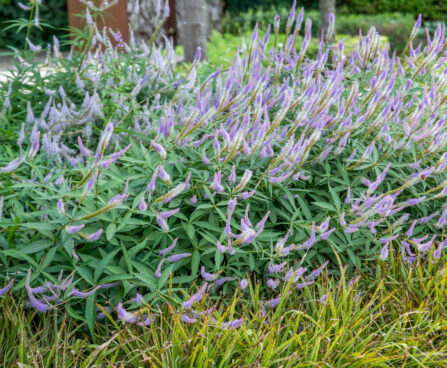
104, 262
40, 226
189, 229
36, 246
335, 198
19, 255
110, 231
90, 312
325, 205
195, 261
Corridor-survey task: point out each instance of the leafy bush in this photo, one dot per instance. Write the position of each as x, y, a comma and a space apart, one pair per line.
133, 175
52, 13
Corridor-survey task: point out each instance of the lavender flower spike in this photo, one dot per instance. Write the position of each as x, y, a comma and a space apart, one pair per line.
60, 207
167, 214
206, 275
151, 186
158, 270
84, 150
32, 46
124, 315
384, 252
94, 236
197, 297
40, 306
138, 299
187, 319
243, 284
12, 166
178, 257
142, 206
74, 229
168, 249
233, 324
4, 290
160, 149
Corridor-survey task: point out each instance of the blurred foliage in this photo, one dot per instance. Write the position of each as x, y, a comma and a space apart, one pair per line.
223, 47
52, 12
235, 6
430, 9
395, 27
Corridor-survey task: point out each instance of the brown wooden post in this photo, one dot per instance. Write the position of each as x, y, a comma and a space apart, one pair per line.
115, 17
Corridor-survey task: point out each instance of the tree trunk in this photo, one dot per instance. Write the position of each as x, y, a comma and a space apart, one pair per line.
216, 14
146, 21
326, 7
192, 27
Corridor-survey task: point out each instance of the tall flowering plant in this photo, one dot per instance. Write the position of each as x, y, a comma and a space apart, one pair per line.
163, 177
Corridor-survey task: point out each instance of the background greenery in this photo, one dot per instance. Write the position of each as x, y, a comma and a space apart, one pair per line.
52, 12
392, 18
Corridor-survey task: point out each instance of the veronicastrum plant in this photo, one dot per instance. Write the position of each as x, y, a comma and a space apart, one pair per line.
132, 178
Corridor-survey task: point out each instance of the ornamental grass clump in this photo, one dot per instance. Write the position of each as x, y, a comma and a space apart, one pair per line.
127, 173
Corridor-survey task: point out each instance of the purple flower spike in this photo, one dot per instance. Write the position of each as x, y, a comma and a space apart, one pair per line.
273, 303
84, 150
204, 158
124, 315
162, 223
142, 205
206, 275
168, 249
82, 294
178, 257
216, 184
158, 270
233, 324
247, 195
187, 319
243, 284
323, 299
146, 322
348, 195
39, 305
272, 268
160, 149
138, 299
117, 155
95, 236
4, 290
167, 214
384, 252
74, 229
60, 207
232, 176
151, 186
32, 46
197, 297
272, 284
164, 175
